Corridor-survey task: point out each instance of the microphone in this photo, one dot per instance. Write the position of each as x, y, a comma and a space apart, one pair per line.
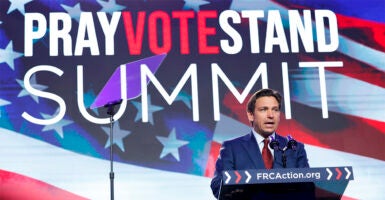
291, 143
274, 144
110, 105
113, 103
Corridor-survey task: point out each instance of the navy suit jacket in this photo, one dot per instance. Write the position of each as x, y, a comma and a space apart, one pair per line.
243, 153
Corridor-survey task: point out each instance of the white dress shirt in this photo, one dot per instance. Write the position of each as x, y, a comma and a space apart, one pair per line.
260, 142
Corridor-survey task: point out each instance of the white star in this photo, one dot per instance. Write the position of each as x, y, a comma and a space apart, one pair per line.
110, 6
151, 109
74, 12
171, 145
58, 127
8, 55
194, 4
4, 102
24, 92
18, 4
119, 135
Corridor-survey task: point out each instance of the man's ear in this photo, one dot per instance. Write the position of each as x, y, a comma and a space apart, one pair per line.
250, 116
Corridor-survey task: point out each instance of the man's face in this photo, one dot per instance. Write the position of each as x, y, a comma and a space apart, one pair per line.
266, 115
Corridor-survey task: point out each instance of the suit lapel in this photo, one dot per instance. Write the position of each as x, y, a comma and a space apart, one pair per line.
251, 147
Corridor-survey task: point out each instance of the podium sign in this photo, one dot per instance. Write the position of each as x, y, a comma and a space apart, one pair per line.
313, 183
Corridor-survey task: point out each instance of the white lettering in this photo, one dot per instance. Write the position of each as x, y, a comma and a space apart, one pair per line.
253, 16
286, 90
31, 35
109, 30
86, 25
320, 16
321, 71
217, 72
303, 29
190, 72
237, 39
63, 33
274, 24
58, 99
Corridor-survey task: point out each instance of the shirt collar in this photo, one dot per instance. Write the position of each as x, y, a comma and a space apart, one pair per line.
259, 138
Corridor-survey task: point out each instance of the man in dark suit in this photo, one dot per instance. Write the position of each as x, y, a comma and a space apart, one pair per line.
247, 152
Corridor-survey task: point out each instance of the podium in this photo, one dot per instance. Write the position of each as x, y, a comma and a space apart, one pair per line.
285, 183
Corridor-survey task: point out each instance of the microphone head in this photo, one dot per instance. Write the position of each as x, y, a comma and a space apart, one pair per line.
291, 143
274, 144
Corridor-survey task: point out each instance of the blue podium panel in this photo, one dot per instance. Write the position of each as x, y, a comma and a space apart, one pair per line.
288, 183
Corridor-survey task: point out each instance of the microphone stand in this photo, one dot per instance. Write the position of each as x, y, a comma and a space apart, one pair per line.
284, 158
111, 112
291, 144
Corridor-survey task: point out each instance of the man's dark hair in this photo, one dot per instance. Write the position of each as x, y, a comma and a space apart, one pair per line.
262, 93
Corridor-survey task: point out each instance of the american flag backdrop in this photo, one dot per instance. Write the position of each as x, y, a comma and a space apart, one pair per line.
188, 66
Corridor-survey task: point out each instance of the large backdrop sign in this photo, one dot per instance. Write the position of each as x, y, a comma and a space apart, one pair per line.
184, 70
